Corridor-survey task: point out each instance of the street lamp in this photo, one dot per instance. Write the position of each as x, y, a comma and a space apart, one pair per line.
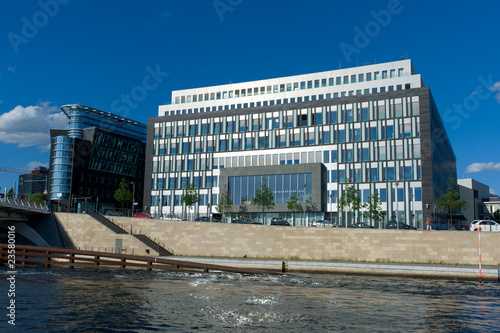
133, 197
305, 204
397, 204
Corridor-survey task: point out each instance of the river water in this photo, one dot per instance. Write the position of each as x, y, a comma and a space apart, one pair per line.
64, 300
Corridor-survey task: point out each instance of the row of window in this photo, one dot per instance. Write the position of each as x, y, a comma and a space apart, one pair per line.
364, 195
379, 151
356, 173
286, 100
293, 86
383, 136
335, 114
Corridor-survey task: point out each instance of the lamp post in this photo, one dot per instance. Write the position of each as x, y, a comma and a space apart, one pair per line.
305, 204
411, 210
133, 197
397, 204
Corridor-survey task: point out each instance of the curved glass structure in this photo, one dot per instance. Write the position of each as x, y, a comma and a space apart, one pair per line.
62, 155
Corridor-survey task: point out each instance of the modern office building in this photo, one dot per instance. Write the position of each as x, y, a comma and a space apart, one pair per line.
374, 127
480, 202
33, 182
88, 161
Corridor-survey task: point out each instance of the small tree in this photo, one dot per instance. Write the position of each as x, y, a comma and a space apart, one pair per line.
190, 197
37, 198
264, 198
350, 201
123, 195
496, 216
225, 204
294, 205
374, 208
451, 199
10, 194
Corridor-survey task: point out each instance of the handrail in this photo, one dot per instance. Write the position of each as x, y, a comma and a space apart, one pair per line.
73, 257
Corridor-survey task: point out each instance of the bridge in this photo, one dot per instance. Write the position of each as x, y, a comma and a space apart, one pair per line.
20, 213
20, 210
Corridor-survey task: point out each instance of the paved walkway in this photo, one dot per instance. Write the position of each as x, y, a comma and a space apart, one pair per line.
410, 270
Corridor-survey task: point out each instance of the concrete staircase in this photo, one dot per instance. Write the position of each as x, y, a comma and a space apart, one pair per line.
152, 244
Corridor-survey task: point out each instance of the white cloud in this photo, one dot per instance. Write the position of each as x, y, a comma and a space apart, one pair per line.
12, 69
496, 87
478, 167
33, 165
29, 126
492, 191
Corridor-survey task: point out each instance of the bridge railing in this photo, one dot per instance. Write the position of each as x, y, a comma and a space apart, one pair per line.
23, 203
35, 255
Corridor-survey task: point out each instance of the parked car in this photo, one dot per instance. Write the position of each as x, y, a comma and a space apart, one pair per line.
322, 224
242, 220
394, 225
202, 219
486, 225
362, 225
142, 215
171, 217
279, 221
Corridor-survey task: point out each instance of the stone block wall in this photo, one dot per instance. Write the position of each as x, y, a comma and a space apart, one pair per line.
330, 244
89, 234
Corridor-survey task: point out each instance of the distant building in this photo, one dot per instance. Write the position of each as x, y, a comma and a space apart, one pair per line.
374, 127
88, 161
476, 194
33, 182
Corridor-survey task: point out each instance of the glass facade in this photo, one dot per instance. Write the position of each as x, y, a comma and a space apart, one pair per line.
241, 189
90, 159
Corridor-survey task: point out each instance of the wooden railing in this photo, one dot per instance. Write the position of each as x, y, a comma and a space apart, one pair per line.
26, 255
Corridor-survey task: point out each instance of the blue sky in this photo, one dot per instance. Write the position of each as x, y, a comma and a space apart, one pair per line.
57, 52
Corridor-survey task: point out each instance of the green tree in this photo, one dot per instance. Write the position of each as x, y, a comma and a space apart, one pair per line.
264, 198
225, 205
496, 216
451, 199
349, 202
37, 198
190, 197
294, 205
374, 208
10, 194
123, 194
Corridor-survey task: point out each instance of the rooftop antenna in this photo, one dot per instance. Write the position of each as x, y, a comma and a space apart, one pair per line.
340, 65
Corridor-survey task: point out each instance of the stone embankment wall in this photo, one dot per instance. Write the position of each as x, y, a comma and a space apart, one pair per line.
89, 234
329, 244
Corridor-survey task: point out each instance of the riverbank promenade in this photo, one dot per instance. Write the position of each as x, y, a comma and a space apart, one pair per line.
361, 268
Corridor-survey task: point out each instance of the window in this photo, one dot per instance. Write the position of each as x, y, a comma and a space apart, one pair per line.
334, 156
346, 79
383, 195
368, 76
353, 78
361, 77
366, 154
390, 132
373, 133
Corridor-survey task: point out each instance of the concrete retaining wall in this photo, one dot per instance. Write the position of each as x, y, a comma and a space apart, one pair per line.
87, 233
330, 244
